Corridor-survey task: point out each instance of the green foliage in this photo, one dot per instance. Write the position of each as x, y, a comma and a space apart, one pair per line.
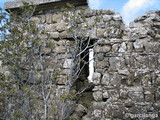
17, 115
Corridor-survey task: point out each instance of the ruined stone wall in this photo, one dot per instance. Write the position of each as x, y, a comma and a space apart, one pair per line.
126, 62
127, 74
101, 26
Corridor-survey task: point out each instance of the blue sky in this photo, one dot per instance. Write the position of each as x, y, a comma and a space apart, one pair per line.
129, 9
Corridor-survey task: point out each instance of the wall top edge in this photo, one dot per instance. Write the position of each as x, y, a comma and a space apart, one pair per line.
18, 3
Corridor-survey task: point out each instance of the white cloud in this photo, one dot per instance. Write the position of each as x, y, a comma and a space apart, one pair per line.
94, 4
132, 7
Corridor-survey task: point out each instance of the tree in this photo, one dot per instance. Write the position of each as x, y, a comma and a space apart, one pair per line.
28, 83
18, 55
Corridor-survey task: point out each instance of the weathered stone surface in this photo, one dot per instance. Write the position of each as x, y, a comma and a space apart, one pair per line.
122, 48
86, 118
107, 18
106, 79
105, 95
100, 33
101, 64
57, 18
61, 26
114, 62
36, 20
46, 51
50, 28
0, 63
96, 78
117, 17
126, 61
108, 12
113, 95
61, 80
100, 56
68, 63
97, 113
123, 72
146, 80
129, 47
49, 18
106, 48
136, 96
60, 49
129, 104
54, 35
97, 95
123, 94
115, 47
81, 109
138, 46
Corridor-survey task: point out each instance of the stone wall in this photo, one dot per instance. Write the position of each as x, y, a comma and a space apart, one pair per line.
127, 75
127, 62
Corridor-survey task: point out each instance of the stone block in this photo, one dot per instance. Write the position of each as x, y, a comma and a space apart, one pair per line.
100, 33
89, 12
50, 28
152, 47
61, 26
80, 109
138, 47
97, 113
123, 94
36, 20
97, 49
102, 65
123, 72
115, 47
68, 63
142, 62
96, 78
114, 62
97, 95
107, 18
49, 18
136, 96
106, 48
158, 80
106, 79
122, 48
149, 97
86, 118
135, 89
56, 18
115, 79
43, 18
107, 12
100, 56
99, 105
61, 80
54, 35
46, 50
105, 95
146, 80
117, 17
113, 95
60, 49
129, 47
129, 104
153, 62
65, 34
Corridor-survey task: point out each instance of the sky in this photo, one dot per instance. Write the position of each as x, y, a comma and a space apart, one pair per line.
129, 9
